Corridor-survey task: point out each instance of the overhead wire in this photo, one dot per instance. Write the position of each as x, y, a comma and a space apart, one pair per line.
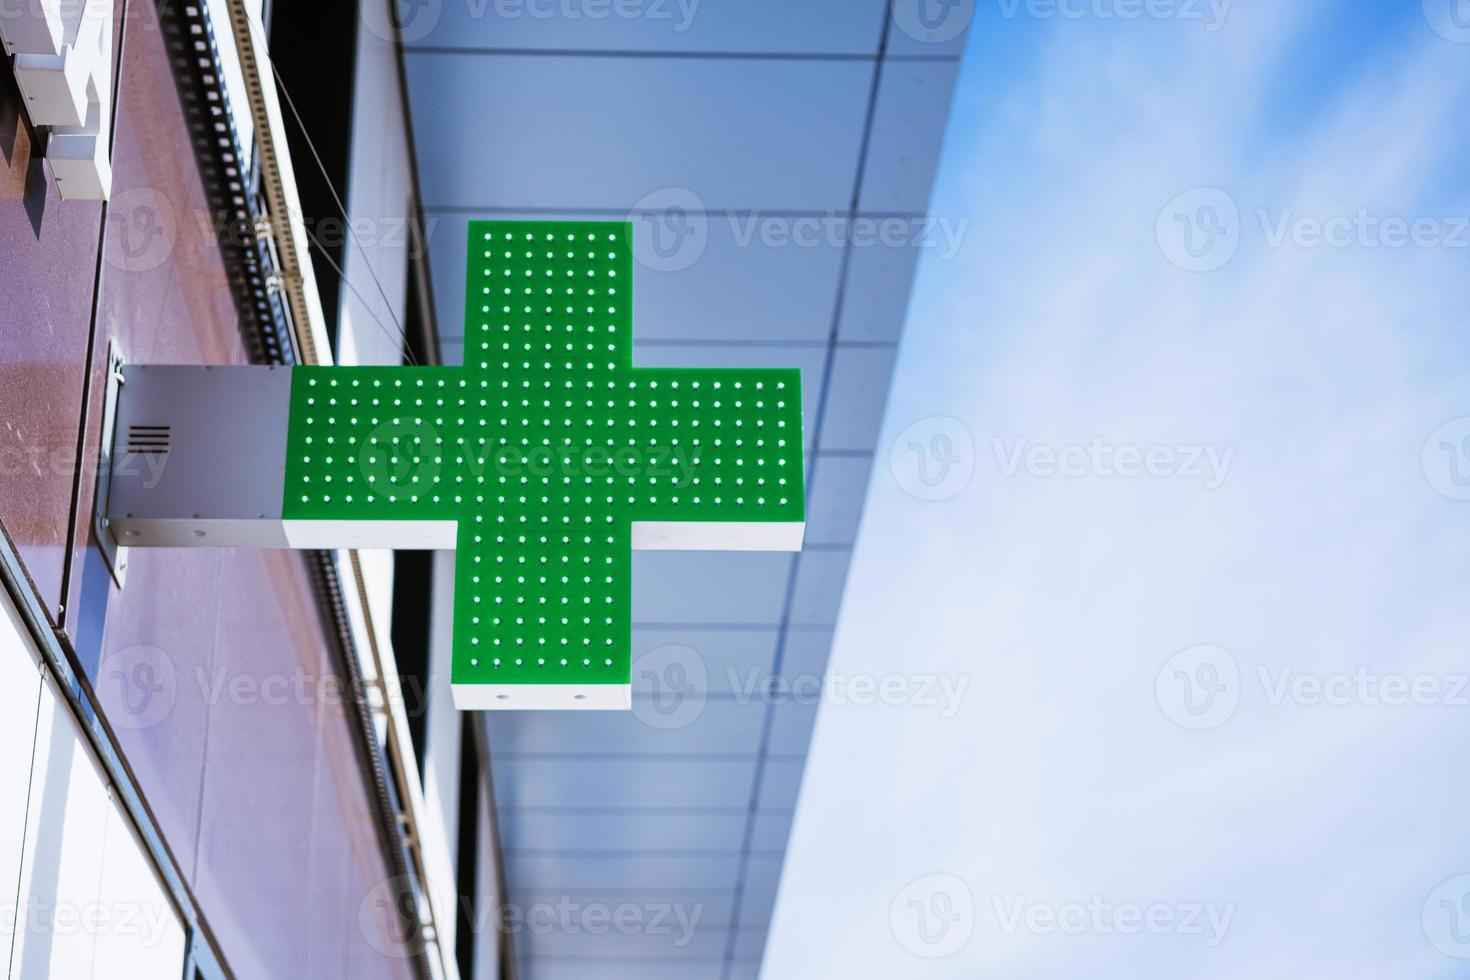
399, 335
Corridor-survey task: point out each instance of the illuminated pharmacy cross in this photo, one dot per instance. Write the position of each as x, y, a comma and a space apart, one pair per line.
554, 457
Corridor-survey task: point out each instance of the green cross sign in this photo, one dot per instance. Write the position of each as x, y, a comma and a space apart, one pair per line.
553, 457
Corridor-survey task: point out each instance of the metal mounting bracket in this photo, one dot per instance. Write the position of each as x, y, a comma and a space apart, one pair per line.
113, 553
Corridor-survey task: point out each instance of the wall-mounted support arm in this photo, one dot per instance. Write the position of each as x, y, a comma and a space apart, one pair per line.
544, 461
542, 498
199, 460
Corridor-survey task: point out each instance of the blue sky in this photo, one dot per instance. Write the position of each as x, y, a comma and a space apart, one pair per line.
1200, 528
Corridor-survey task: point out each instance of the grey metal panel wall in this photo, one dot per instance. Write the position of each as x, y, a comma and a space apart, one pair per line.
211, 666
48, 271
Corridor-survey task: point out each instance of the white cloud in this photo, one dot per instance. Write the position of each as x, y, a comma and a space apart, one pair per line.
1324, 828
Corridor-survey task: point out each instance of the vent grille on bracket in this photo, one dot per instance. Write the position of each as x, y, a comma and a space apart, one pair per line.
149, 439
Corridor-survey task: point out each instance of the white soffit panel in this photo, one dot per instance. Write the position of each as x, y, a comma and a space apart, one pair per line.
820, 580
908, 132
622, 784
605, 133
571, 871
854, 412
835, 496
521, 831
680, 941
930, 28
834, 27
658, 725
709, 587
875, 296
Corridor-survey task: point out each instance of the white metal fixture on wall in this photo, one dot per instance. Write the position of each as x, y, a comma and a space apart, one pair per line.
62, 55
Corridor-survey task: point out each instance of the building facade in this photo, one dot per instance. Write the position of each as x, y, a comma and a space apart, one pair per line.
247, 763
